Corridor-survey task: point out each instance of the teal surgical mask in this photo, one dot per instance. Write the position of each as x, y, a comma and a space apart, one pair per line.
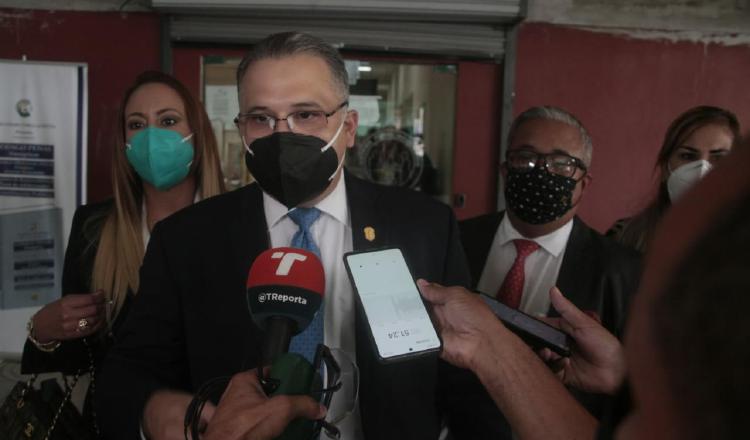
161, 157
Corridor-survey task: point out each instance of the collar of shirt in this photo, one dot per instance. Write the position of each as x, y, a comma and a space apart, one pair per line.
554, 242
334, 205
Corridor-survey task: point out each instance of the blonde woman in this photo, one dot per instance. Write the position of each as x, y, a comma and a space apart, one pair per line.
693, 144
165, 159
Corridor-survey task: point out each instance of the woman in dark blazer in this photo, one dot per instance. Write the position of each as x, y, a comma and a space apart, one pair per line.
165, 158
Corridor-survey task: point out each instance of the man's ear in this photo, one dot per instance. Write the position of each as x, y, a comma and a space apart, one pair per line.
585, 181
350, 127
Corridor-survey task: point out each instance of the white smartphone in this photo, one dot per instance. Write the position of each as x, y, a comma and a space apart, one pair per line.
399, 323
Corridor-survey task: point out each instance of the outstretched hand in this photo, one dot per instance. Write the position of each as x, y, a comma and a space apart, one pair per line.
597, 360
465, 322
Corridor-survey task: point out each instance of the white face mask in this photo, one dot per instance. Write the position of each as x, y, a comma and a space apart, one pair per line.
684, 177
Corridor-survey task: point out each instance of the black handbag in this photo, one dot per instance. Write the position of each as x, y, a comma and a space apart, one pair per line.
46, 413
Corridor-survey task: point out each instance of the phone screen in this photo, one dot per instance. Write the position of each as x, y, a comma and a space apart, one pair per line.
397, 317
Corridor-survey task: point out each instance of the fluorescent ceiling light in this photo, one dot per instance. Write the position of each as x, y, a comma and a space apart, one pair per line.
365, 68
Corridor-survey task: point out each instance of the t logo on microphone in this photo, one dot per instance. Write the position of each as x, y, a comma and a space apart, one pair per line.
287, 261
285, 283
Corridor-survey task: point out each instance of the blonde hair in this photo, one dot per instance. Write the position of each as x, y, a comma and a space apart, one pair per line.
120, 251
638, 231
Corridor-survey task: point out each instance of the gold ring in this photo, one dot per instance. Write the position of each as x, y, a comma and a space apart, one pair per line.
83, 324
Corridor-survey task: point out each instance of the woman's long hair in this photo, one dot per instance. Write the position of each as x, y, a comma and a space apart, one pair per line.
638, 231
120, 251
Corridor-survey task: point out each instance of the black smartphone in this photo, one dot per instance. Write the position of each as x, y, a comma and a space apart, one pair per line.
399, 323
536, 333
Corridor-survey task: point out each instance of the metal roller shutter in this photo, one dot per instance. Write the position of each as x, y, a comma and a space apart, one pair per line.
469, 28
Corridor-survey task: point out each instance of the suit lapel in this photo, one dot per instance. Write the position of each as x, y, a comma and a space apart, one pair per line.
253, 235
368, 229
478, 236
238, 244
363, 202
575, 272
250, 237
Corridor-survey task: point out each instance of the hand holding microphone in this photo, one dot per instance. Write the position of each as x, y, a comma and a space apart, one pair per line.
245, 412
285, 289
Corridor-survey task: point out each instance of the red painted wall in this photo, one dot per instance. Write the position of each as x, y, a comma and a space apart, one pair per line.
475, 157
116, 47
626, 92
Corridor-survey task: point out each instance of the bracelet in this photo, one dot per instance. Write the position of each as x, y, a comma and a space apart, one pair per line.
47, 347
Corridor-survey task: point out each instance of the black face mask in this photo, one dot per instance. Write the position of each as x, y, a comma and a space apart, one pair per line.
291, 167
538, 196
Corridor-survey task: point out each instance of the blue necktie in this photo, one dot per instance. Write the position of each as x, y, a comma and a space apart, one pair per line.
307, 342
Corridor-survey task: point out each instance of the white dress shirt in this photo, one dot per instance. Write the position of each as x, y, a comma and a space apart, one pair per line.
332, 233
541, 269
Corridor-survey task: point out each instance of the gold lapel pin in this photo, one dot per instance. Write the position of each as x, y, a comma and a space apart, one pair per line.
369, 233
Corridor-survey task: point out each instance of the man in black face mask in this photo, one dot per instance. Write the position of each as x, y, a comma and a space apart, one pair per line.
190, 323
518, 255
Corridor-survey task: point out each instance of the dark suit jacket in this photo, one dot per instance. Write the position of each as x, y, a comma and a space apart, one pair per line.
72, 356
189, 322
596, 274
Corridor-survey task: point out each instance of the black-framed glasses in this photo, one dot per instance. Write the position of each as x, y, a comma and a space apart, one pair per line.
332, 380
340, 388
310, 122
560, 164
334, 383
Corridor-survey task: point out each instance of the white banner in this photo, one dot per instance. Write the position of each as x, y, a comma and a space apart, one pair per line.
43, 126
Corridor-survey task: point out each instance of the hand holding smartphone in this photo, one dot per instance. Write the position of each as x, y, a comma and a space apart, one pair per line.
536, 333
397, 317
399, 323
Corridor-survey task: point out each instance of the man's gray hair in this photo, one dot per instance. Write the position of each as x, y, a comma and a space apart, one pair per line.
555, 114
286, 44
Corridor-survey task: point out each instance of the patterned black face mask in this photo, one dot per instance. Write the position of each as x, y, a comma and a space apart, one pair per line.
538, 196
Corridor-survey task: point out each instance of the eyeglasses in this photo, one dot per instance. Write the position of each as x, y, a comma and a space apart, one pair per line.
339, 391
333, 376
556, 163
335, 384
257, 125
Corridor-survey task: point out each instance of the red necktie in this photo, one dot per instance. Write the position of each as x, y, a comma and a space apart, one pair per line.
511, 291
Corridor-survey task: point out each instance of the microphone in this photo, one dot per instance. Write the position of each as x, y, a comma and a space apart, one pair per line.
285, 288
